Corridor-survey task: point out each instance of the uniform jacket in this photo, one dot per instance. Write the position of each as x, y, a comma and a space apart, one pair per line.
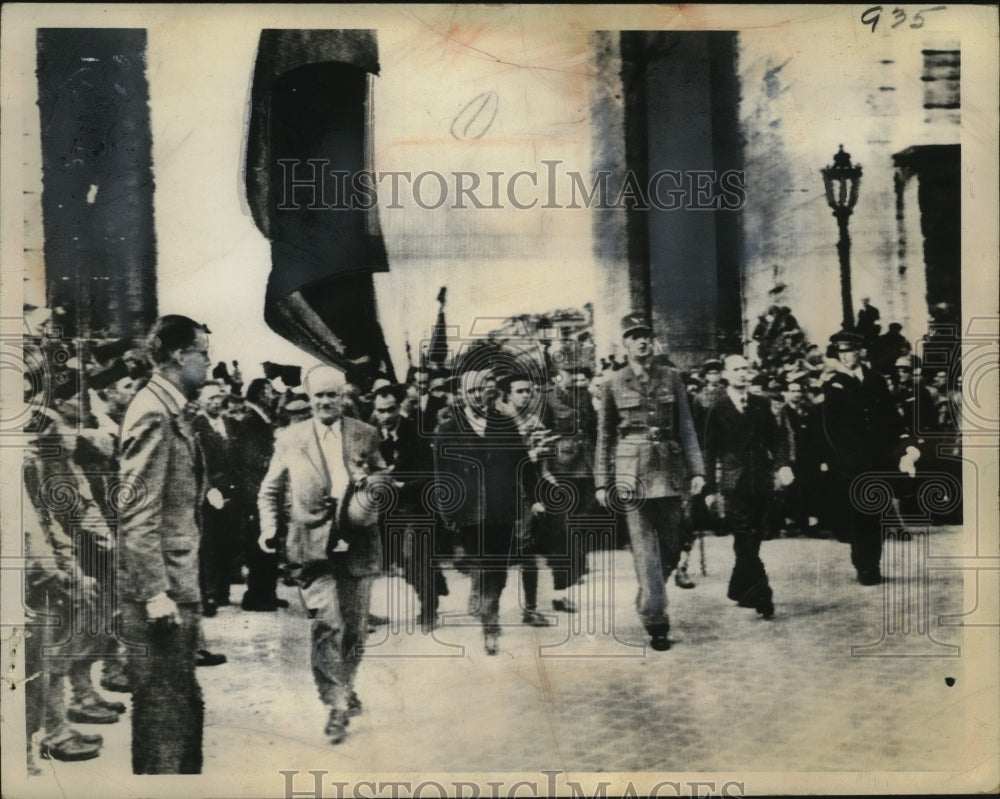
860, 421
159, 533
645, 434
743, 450
297, 485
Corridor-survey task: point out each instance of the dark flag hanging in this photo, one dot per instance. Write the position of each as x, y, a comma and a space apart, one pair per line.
308, 152
437, 352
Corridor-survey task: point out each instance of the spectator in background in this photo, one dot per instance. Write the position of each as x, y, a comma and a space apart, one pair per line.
868, 317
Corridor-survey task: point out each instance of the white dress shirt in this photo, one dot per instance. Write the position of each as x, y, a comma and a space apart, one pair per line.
331, 444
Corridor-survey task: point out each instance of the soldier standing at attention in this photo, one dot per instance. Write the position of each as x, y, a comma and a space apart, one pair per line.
647, 456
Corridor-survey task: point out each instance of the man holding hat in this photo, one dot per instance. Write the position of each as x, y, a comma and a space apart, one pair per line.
647, 457
316, 480
865, 434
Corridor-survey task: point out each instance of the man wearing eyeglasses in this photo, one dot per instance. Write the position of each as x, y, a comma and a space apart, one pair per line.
159, 535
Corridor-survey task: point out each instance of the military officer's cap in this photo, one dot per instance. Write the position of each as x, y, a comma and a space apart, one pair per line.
846, 340
636, 323
712, 365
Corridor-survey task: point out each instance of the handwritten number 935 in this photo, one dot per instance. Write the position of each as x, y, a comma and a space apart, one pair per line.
871, 16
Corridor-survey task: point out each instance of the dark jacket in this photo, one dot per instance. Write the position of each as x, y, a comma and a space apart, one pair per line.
743, 450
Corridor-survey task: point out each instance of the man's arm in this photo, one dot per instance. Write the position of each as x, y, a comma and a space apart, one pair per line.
145, 451
687, 433
607, 437
271, 497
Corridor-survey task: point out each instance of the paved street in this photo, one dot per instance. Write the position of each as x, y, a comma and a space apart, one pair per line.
735, 693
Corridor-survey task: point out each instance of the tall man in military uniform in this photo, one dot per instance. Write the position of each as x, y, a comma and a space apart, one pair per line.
865, 434
648, 454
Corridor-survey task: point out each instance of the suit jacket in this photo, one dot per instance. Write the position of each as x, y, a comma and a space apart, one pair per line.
297, 486
645, 434
220, 466
743, 450
808, 443
862, 426
160, 531
412, 461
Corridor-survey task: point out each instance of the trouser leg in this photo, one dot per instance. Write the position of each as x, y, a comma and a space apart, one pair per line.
167, 706
745, 519
651, 598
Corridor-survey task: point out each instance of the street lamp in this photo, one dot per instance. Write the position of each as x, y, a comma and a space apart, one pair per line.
842, 181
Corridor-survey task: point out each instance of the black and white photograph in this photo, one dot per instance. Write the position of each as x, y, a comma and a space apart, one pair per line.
499, 400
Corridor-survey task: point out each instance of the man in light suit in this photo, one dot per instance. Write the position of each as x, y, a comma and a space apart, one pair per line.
318, 476
159, 535
647, 458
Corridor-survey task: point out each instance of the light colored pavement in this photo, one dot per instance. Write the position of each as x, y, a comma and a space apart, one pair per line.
735, 693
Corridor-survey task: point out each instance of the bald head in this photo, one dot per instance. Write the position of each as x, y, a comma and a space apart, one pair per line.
326, 387
736, 371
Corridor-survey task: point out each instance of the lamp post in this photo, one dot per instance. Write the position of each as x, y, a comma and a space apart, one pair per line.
842, 181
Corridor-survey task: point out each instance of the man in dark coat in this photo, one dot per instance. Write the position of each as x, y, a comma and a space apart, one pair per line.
251, 450
216, 435
478, 457
744, 450
865, 435
647, 458
410, 525
803, 420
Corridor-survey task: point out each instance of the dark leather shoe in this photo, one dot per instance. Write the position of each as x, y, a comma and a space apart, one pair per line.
660, 642
869, 577
67, 748
377, 621
92, 739
336, 726
683, 580
96, 700
258, 605
281, 603
206, 658
564, 605
91, 714
354, 706
491, 644
766, 609
208, 609
117, 683
535, 619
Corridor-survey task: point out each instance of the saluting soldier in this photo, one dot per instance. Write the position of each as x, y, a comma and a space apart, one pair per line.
648, 454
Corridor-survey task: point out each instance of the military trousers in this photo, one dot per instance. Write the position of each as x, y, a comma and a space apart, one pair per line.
656, 531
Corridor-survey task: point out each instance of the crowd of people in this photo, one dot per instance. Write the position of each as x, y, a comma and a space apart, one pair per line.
154, 486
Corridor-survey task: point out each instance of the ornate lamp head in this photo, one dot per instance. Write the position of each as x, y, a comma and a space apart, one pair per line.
842, 181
